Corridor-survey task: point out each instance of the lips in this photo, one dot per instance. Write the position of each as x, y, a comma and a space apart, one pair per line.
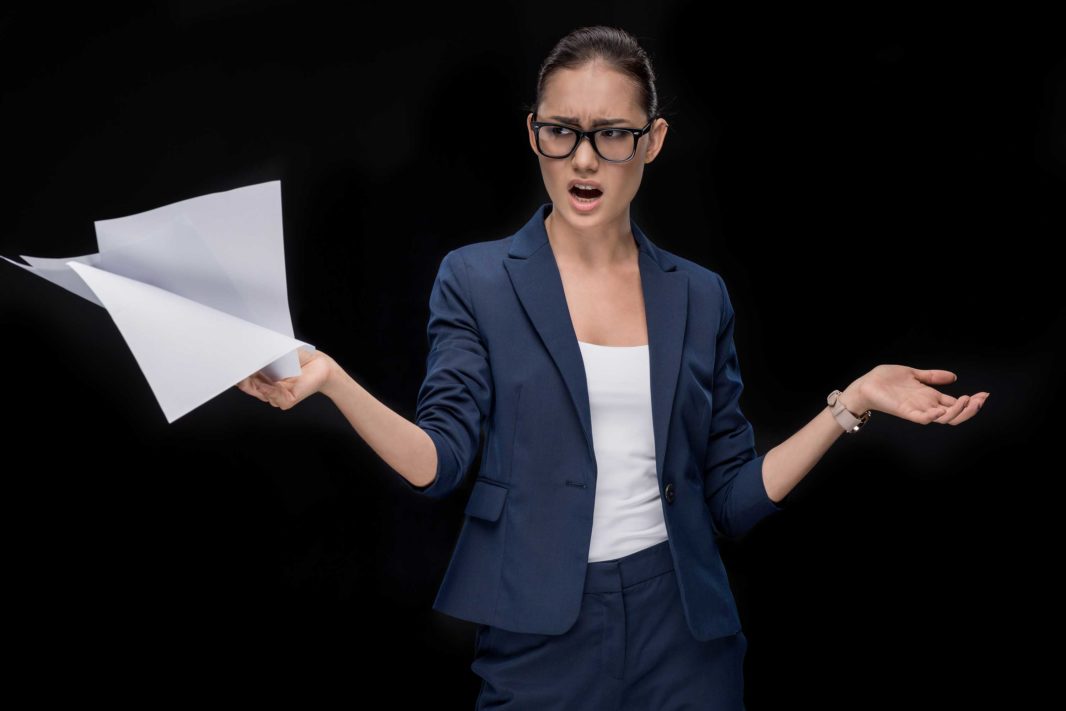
588, 189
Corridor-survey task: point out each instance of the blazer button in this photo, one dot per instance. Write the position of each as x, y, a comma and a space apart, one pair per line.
668, 492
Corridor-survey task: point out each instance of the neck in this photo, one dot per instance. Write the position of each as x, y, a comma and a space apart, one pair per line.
597, 247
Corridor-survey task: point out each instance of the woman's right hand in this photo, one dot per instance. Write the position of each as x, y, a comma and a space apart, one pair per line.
285, 393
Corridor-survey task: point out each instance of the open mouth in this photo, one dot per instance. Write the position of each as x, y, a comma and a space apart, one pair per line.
582, 194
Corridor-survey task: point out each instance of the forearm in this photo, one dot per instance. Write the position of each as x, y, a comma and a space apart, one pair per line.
402, 444
787, 463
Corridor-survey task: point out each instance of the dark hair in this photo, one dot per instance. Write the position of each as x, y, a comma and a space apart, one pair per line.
616, 47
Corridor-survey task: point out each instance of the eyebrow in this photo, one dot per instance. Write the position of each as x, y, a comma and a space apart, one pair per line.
597, 122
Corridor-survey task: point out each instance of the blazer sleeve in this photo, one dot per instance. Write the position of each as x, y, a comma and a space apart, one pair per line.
732, 473
455, 396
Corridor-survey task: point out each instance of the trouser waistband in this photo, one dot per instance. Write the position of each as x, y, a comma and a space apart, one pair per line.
613, 575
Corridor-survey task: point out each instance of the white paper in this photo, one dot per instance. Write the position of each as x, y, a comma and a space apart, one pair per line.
197, 289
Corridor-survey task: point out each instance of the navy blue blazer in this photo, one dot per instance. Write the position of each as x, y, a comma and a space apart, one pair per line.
504, 356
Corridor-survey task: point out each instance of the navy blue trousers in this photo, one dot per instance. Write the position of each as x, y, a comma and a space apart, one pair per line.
630, 650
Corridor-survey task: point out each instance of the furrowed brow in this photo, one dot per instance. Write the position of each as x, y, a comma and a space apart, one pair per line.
595, 123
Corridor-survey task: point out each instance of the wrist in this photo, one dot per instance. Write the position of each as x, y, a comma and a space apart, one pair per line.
334, 376
854, 399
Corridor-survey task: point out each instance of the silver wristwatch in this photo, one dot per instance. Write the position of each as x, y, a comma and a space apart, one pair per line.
850, 422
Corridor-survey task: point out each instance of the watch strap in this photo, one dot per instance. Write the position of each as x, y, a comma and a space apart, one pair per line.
847, 419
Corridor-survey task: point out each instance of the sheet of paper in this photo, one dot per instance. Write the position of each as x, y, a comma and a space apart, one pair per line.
196, 288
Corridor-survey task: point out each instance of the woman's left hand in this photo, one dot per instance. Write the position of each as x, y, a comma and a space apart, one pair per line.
908, 393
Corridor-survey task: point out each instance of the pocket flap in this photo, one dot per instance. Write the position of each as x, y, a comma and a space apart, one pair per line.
486, 500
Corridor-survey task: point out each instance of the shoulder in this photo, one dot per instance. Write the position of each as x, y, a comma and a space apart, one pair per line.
704, 282
479, 265
465, 262
482, 256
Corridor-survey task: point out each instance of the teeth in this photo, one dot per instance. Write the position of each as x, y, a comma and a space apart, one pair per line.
586, 187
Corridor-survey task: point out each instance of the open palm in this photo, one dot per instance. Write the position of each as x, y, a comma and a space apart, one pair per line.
909, 393
287, 392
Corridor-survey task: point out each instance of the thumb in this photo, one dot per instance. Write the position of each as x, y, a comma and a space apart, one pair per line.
296, 387
935, 376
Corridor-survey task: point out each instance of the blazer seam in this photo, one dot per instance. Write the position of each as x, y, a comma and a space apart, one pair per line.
503, 559
469, 296
507, 519
724, 316
514, 435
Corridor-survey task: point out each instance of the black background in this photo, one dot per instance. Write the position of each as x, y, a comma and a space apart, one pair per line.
873, 189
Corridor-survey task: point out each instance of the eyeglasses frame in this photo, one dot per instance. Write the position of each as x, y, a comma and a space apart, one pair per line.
636, 132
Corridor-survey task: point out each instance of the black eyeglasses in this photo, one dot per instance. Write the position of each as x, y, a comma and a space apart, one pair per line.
613, 144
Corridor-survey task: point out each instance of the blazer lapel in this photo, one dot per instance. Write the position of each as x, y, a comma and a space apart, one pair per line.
538, 284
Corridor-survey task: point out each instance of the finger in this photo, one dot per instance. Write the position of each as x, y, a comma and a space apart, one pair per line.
953, 410
268, 390
254, 390
285, 397
246, 386
935, 376
927, 415
306, 355
282, 395
278, 393
969, 411
946, 399
293, 393
266, 386
296, 387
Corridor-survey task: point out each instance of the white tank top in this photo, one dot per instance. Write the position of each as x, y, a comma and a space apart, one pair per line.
628, 513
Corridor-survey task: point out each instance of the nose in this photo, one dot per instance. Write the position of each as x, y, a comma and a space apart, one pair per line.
585, 154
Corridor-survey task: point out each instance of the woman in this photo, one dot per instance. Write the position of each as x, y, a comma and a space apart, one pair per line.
605, 370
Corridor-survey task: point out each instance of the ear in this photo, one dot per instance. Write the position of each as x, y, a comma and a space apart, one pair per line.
657, 134
532, 138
